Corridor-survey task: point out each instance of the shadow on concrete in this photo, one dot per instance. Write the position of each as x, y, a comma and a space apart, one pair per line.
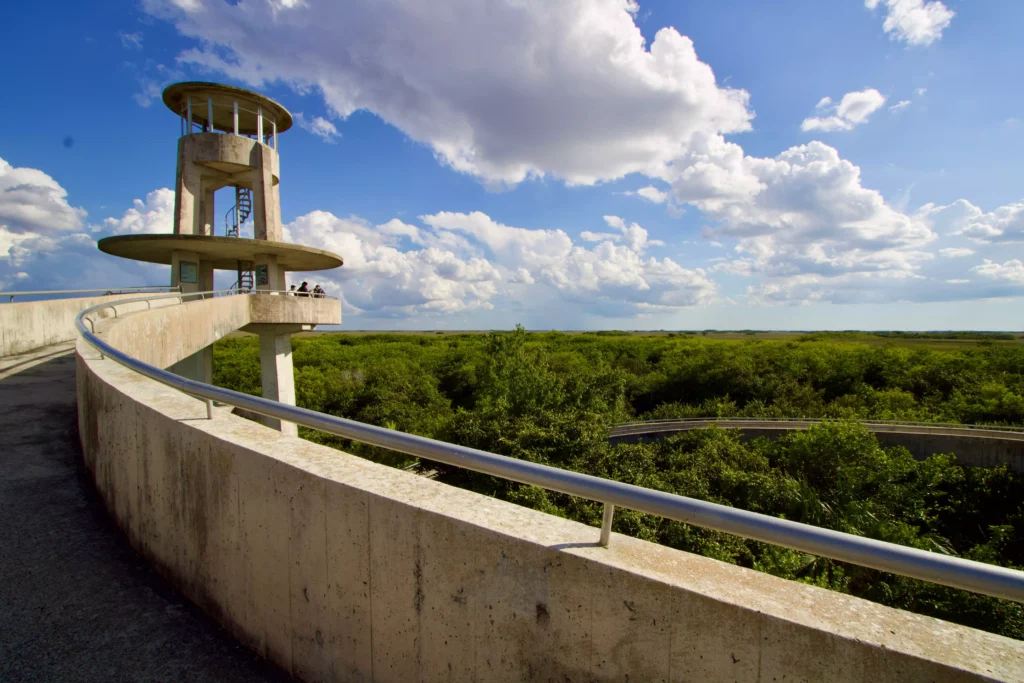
76, 602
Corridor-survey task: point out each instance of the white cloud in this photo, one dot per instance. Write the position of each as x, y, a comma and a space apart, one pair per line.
484, 261
853, 110
804, 223
958, 282
154, 215
507, 91
899, 106
652, 194
43, 243
152, 79
318, 126
915, 22
131, 41
1003, 225
31, 202
955, 252
588, 236
1010, 271
920, 92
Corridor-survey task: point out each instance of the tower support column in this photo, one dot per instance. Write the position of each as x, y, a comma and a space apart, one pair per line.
188, 191
268, 274
276, 371
266, 214
209, 219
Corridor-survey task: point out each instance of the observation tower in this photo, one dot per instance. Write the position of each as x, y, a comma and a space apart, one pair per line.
229, 139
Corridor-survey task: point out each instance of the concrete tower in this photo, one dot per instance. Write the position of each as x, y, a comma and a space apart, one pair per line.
229, 139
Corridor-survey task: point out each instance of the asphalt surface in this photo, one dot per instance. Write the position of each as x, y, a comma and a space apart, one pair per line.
76, 602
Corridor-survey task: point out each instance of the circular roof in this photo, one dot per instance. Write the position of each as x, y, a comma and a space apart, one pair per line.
225, 252
223, 97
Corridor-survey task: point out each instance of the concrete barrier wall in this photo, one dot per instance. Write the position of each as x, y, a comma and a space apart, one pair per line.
336, 568
29, 325
973, 448
295, 310
163, 336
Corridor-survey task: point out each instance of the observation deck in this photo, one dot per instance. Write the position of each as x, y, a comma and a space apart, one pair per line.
336, 568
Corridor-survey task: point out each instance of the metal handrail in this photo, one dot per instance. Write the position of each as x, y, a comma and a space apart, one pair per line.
956, 572
816, 420
121, 290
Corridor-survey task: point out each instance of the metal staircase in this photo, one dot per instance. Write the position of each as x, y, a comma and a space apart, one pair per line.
245, 279
239, 213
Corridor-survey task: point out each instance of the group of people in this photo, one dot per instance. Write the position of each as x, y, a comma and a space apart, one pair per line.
303, 290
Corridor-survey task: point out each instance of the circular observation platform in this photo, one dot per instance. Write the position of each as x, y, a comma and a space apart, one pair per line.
211, 107
224, 252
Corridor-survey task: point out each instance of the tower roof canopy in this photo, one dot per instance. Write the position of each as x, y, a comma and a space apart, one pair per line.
224, 252
224, 97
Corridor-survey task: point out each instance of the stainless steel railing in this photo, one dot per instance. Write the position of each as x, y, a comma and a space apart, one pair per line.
920, 564
62, 292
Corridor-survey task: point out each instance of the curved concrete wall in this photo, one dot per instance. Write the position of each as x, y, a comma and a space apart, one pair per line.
972, 447
340, 569
29, 325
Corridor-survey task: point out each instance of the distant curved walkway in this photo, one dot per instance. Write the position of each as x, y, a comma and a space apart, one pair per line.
973, 445
76, 602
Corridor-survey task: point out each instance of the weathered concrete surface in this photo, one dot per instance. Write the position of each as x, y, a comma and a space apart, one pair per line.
340, 569
164, 336
305, 310
972, 447
76, 603
29, 325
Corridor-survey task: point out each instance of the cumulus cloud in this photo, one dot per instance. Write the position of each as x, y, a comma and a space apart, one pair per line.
44, 244
955, 252
155, 214
1003, 225
853, 110
318, 126
899, 106
804, 224
457, 262
31, 202
1010, 271
915, 22
508, 91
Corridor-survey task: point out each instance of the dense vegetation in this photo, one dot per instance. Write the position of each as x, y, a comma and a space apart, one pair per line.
551, 397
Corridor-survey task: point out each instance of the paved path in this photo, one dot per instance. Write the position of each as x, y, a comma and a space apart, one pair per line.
76, 602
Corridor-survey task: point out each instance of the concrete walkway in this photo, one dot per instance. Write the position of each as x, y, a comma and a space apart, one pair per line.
76, 602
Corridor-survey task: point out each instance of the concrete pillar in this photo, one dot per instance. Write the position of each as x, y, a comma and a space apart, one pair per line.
209, 218
266, 267
185, 271
198, 366
266, 213
277, 374
206, 276
188, 189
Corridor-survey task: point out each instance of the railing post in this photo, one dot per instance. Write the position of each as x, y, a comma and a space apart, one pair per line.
236, 115
209, 409
606, 524
188, 99
209, 114
259, 125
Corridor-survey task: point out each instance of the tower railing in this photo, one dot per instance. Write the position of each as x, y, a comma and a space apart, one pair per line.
76, 292
950, 571
197, 113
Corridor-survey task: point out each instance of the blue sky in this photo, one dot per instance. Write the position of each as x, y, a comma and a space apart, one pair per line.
591, 164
